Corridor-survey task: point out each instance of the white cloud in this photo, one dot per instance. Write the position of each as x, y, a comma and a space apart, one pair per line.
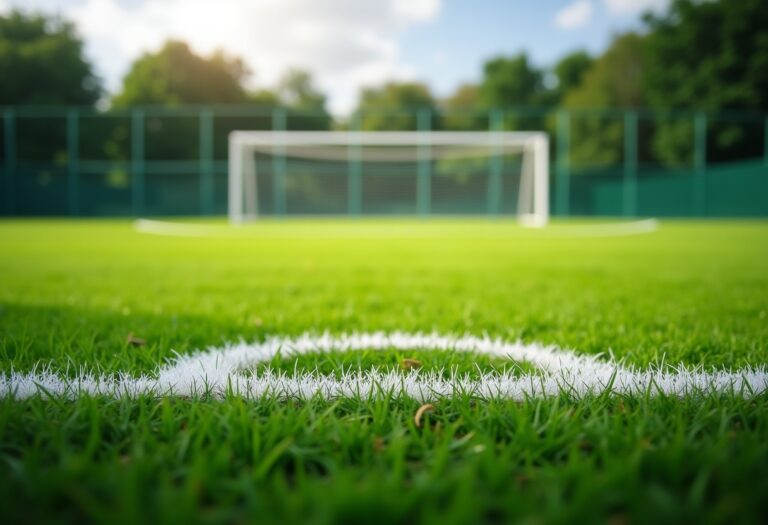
417, 9
634, 7
576, 14
345, 44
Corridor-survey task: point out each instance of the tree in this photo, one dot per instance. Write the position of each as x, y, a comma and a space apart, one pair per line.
510, 82
306, 105
175, 75
395, 107
42, 62
615, 80
463, 110
570, 71
298, 91
711, 56
264, 98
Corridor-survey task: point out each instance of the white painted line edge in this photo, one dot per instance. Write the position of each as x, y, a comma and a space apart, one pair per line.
219, 372
358, 229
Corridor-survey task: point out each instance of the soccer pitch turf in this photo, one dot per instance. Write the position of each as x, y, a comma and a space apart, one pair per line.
690, 293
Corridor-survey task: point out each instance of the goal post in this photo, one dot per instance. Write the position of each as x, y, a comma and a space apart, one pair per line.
379, 172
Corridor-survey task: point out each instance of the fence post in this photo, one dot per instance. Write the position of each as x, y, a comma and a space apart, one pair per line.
495, 124
73, 161
700, 164
563, 176
630, 163
137, 161
354, 167
9, 132
423, 181
206, 161
765, 140
279, 119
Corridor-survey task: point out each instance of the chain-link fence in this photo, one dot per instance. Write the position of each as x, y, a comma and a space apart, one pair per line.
154, 161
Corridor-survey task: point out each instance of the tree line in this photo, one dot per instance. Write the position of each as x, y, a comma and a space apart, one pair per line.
704, 55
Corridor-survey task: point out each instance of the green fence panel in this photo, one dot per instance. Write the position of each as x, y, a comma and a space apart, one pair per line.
207, 205
173, 161
563, 176
355, 173
423, 181
279, 123
138, 164
9, 161
495, 175
73, 161
700, 165
629, 196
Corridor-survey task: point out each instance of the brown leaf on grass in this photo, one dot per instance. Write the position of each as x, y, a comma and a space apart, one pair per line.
135, 341
423, 409
618, 519
521, 480
409, 363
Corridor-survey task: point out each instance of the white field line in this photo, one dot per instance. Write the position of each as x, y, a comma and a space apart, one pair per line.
221, 371
180, 229
353, 230
608, 229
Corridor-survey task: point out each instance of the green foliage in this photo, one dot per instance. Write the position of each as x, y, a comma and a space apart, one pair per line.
298, 92
615, 80
510, 82
513, 82
464, 111
42, 62
305, 103
394, 106
702, 55
673, 141
175, 75
709, 56
570, 71
264, 98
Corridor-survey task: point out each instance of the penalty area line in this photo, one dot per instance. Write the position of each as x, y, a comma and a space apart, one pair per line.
226, 371
357, 230
609, 229
179, 229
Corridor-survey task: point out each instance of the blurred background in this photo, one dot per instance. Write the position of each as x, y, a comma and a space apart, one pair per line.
123, 107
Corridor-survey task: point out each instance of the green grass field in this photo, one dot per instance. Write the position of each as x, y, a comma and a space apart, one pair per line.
692, 292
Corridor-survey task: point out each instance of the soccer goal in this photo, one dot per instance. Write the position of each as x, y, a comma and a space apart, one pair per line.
379, 173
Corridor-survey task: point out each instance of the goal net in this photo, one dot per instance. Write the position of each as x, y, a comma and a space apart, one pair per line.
275, 173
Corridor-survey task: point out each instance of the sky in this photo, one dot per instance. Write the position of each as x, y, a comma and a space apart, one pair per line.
347, 44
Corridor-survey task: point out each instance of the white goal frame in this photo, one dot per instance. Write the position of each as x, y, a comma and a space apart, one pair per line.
534, 146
